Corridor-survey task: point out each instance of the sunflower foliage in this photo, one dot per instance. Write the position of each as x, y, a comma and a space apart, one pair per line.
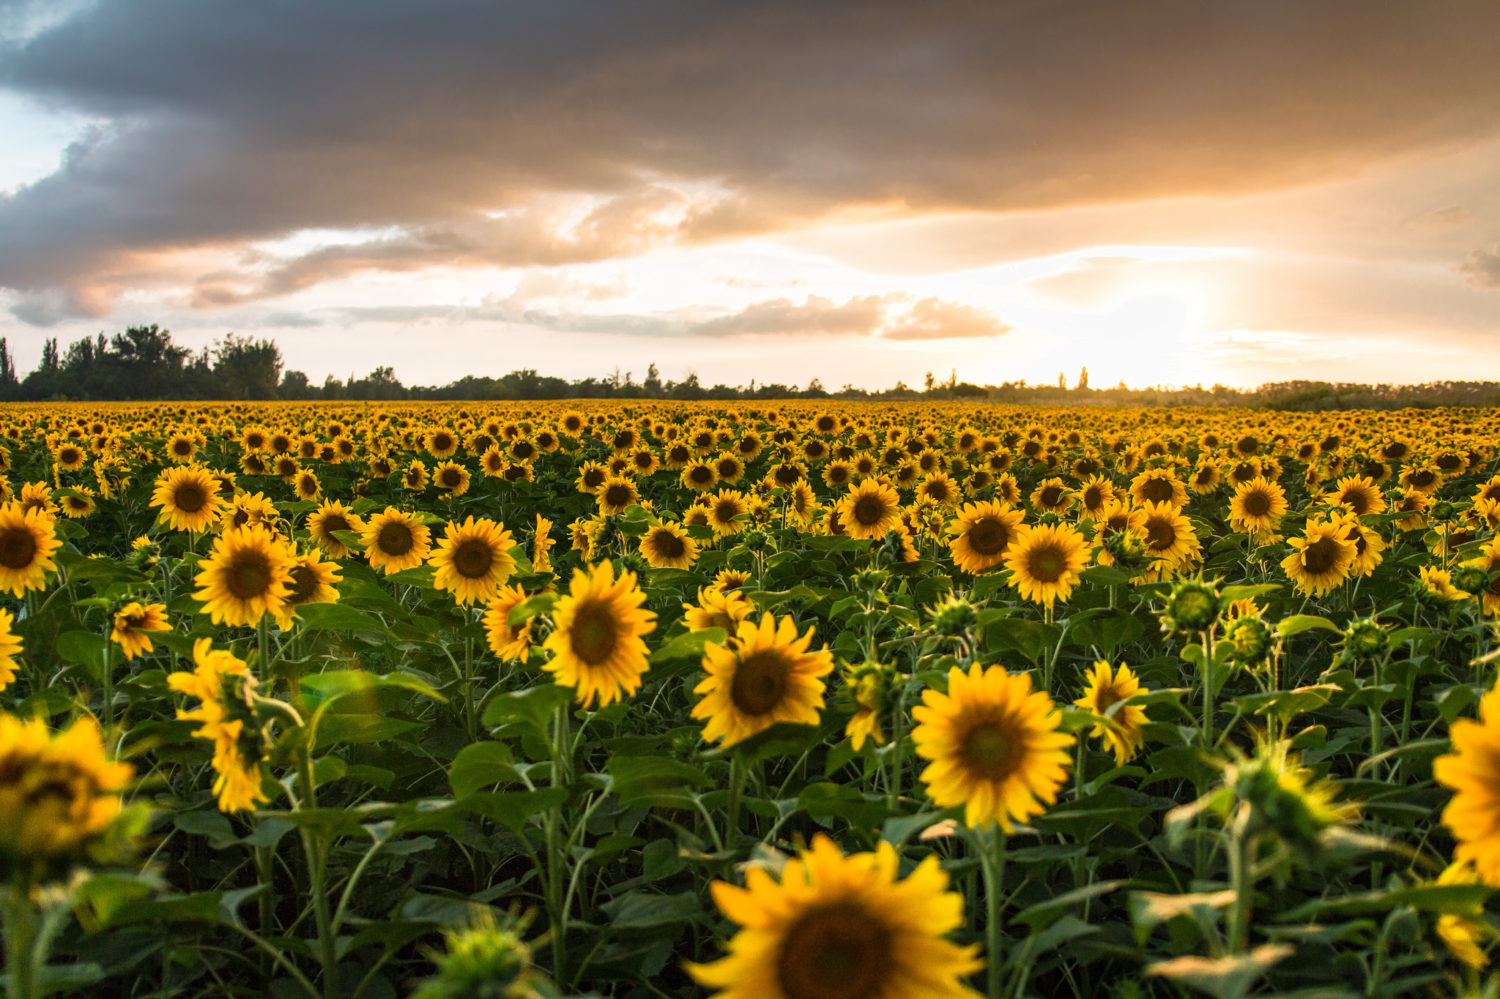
775, 699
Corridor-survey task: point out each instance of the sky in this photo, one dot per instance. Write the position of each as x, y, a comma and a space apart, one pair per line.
1168, 193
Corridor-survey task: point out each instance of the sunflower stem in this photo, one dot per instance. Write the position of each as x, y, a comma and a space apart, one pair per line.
263, 650
992, 866
1241, 879
317, 863
20, 940
557, 917
736, 793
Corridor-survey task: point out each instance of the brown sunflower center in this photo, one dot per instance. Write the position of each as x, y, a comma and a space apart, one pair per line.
1356, 501
593, 634
988, 749
618, 495
249, 575
1046, 564
1156, 491
989, 537
395, 539
725, 511
451, 478
1093, 498
1257, 504
869, 510
760, 682
836, 951
190, 497
182, 447
473, 558
332, 523
1321, 556
667, 545
1052, 495
1161, 534
17, 548
304, 585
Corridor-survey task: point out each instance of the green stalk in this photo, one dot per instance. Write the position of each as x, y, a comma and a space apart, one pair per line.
20, 940
317, 857
556, 850
736, 793
992, 866
1241, 882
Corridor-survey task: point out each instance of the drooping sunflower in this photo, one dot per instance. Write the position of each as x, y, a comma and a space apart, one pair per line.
221, 682
870, 509
1320, 560
247, 574
473, 560
188, 497
541, 544
133, 624
1472, 771
313, 581
840, 927
1122, 731
27, 543
1368, 545
1466, 935
10, 647
78, 503
333, 516
395, 540
717, 609
667, 546
596, 641
766, 675
994, 745
1258, 506
414, 478
980, 535
1045, 562
508, 641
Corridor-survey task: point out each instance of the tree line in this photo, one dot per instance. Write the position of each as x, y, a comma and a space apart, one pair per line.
143, 363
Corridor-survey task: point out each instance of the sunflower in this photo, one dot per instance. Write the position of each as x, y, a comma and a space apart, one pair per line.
766, 675
994, 745
78, 503
58, 792
1489, 562
314, 581
717, 609
699, 476
442, 443
330, 517
730, 579
395, 540
415, 476
188, 498
1257, 507
1094, 495
541, 544
724, 511
247, 575
1368, 545
1320, 560
181, 448
27, 543
1358, 495
473, 560
981, 534
38, 496
306, 486
132, 625
69, 457
1122, 730
10, 647
1438, 584
596, 641
1158, 485
222, 683
616, 495
1466, 935
452, 478
493, 461
1472, 771
1045, 562
667, 546
1167, 533
870, 509
508, 641
939, 489
1051, 496
840, 927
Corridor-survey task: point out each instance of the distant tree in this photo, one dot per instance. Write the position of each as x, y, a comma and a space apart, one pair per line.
247, 368
294, 385
1083, 379
1062, 381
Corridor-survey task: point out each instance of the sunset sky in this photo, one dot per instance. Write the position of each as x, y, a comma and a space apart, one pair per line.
1169, 193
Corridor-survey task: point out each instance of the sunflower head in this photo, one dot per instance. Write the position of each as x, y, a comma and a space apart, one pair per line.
597, 644
1284, 797
765, 675
1192, 607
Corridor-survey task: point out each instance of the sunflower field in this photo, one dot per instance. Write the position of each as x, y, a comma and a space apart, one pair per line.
811, 700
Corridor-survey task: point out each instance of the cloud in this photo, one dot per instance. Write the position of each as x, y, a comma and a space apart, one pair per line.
1481, 269
934, 319
550, 132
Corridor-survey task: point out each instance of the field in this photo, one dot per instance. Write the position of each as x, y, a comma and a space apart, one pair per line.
782, 699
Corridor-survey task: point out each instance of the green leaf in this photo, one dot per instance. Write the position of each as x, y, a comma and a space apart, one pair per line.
541, 603
655, 780
1450, 900
319, 690
637, 910
1149, 909
688, 645
482, 765
533, 706
1043, 913
1298, 623
337, 617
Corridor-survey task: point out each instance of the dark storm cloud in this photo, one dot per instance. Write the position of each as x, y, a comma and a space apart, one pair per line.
1482, 269
474, 133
